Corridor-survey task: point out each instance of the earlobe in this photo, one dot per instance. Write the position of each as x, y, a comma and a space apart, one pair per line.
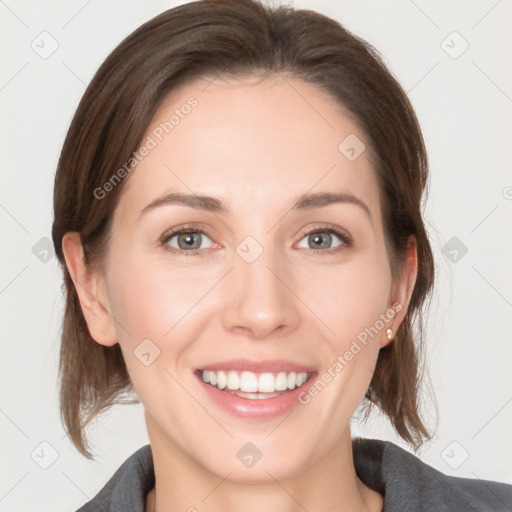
402, 292
91, 291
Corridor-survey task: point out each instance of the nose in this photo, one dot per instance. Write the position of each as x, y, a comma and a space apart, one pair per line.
259, 298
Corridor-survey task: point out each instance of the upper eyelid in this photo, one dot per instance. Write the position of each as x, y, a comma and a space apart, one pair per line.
180, 229
343, 235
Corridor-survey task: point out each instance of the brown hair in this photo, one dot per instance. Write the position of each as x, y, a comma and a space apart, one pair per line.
239, 38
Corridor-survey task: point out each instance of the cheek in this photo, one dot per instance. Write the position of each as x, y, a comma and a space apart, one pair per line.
145, 305
349, 299
166, 306
150, 308
150, 299
354, 306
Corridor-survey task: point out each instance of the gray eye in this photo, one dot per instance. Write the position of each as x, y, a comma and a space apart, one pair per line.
187, 241
320, 240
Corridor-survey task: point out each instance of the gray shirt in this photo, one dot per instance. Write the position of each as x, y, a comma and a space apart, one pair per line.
407, 483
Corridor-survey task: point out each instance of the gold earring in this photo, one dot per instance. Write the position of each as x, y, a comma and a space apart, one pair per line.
389, 333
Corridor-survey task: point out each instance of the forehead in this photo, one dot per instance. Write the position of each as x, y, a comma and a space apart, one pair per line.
254, 139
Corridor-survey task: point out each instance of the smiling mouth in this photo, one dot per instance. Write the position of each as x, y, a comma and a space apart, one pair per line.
254, 386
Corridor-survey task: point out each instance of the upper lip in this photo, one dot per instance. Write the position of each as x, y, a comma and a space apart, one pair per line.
270, 365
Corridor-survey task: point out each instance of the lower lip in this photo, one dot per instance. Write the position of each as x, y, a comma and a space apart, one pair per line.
256, 408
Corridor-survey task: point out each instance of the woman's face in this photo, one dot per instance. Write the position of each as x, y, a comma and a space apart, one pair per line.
284, 269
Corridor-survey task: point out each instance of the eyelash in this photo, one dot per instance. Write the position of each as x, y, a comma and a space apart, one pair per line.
345, 238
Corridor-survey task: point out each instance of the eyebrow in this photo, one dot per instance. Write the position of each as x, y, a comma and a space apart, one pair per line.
306, 201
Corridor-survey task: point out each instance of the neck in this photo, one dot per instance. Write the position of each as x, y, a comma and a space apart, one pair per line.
329, 484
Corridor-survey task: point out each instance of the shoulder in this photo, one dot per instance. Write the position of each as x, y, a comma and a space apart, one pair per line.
408, 483
128, 487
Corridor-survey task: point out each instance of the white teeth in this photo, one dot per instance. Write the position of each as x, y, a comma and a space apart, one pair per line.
292, 380
266, 383
233, 380
282, 381
222, 380
301, 379
249, 382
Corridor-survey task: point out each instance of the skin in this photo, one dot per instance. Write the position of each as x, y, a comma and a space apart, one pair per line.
258, 144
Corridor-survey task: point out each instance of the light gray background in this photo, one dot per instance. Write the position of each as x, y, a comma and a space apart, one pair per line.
464, 105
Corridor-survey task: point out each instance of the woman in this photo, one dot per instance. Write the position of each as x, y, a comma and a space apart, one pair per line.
238, 216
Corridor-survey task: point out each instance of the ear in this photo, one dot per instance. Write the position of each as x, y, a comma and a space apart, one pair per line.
402, 291
91, 289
